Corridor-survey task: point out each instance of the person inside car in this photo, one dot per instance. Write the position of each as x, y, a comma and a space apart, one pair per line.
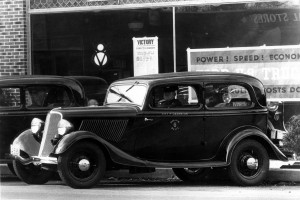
36, 97
93, 103
169, 99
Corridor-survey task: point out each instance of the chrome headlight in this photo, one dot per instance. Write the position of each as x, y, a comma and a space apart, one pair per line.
36, 125
64, 127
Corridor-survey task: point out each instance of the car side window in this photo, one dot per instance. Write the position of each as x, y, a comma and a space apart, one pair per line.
227, 96
46, 97
10, 98
175, 97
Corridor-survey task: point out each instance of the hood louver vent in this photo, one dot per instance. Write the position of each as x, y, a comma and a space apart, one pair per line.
111, 130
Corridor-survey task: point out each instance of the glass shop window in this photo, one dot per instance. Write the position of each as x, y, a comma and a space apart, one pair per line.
227, 96
10, 98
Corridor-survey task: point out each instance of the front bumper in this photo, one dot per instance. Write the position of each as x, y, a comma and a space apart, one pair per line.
35, 160
16, 154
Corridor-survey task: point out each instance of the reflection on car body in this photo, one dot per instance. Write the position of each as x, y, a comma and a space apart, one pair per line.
131, 131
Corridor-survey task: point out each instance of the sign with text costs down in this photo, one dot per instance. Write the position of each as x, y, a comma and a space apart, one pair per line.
278, 67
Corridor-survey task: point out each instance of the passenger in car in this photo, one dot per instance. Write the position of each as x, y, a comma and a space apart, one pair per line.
169, 100
93, 102
37, 97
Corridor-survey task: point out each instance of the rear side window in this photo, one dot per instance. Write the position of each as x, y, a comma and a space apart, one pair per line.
46, 97
227, 96
10, 98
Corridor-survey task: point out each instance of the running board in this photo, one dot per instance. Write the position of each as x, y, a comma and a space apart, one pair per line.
186, 164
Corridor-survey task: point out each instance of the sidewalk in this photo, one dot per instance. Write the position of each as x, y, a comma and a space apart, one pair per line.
279, 172
284, 171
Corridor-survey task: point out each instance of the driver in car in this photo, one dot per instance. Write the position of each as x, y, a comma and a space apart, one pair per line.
169, 100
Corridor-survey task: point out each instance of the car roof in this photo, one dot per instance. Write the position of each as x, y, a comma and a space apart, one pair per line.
74, 82
47, 79
30, 78
189, 76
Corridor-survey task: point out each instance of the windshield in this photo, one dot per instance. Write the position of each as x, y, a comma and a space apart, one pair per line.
131, 93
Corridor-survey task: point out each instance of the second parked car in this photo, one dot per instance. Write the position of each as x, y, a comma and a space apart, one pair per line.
23, 98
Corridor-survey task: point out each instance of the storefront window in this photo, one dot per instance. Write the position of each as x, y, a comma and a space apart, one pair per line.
200, 29
67, 43
99, 43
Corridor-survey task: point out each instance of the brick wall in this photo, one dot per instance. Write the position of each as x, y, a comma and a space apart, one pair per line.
13, 44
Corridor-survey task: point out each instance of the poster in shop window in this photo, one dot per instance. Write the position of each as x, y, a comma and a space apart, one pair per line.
278, 67
145, 55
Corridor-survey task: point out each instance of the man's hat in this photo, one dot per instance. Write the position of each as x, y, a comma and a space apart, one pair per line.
170, 88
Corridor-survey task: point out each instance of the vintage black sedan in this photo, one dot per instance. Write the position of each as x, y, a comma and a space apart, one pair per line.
23, 98
188, 121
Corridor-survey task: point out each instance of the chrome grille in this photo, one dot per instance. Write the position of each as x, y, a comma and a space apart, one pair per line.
112, 130
49, 132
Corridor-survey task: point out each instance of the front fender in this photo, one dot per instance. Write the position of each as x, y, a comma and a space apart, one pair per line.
27, 143
68, 140
117, 155
256, 135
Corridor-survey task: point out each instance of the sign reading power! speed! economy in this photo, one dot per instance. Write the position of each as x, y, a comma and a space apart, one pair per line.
278, 67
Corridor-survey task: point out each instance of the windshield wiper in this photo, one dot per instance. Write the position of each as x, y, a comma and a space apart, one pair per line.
120, 95
135, 83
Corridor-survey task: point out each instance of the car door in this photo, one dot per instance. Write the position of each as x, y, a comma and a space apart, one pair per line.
229, 106
172, 134
11, 116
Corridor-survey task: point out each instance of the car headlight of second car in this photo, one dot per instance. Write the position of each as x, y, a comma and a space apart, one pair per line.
37, 126
64, 127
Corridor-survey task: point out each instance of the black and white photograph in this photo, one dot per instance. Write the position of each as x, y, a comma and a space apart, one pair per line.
149, 99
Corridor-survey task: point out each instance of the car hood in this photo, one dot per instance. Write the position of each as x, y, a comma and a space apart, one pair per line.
103, 111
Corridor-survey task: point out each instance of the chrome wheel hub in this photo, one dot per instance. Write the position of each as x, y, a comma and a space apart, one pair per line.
252, 163
84, 165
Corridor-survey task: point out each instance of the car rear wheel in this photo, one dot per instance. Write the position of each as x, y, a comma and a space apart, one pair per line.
32, 174
191, 174
82, 165
249, 163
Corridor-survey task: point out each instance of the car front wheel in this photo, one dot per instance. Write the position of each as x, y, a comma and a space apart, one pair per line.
249, 163
82, 165
32, 174
191, 174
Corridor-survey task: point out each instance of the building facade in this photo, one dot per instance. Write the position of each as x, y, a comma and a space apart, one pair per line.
13, 38
61, 37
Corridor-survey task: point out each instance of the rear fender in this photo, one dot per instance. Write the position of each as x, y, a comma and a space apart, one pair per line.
28, 143
258, 136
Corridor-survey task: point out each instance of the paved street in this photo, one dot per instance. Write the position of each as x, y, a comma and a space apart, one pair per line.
162, 185
162, 189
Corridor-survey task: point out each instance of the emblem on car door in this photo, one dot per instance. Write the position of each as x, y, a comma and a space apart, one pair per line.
175, 124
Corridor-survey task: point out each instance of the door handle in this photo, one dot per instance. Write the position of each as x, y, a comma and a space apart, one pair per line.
148, 119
